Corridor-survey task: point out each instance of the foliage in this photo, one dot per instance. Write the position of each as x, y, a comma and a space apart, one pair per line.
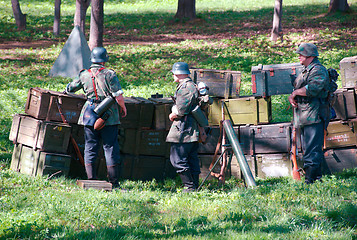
144, 41
280, 208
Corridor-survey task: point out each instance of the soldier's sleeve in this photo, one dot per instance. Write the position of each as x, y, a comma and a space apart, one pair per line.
184, 100
76, 84
114, 84
317, 82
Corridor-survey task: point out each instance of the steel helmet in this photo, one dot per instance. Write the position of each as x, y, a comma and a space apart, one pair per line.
180, 68
99, 54
307, 50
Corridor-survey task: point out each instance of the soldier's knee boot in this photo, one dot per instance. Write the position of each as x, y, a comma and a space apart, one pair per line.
187, 181
196, 180
91, 171
113, 175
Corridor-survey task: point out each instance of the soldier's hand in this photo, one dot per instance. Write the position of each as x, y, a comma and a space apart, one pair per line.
292, 100
172, 117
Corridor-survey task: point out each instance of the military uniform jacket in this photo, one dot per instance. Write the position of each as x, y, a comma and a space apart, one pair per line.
106, 84
185, 129
314, 107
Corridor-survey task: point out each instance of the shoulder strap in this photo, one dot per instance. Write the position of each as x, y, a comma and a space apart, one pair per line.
93, 79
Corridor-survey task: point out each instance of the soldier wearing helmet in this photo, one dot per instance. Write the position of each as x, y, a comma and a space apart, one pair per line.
311, 109
184, 131
98, 83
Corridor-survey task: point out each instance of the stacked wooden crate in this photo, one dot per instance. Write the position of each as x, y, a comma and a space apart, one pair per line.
40, 137
341, 139
145, 153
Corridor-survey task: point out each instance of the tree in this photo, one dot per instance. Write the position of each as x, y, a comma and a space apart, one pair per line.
80, 14
20, 18
338, 5
186, 9
57, 21
277, 31
96, 24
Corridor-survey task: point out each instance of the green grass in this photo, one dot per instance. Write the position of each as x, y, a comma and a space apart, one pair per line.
144, 41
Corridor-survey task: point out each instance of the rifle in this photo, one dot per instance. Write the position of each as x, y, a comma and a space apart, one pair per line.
296, 174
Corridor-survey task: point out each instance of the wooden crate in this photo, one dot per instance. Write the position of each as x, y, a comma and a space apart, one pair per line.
221, 83
139, 113
341, 134
270, 138
43, 104
146, 142
39, 163
162, 110
39, 134
348, 67
145, 167
340, 159
243, 110
210, 146
345, 104
276, 79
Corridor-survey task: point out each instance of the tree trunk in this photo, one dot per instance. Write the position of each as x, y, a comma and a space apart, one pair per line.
277, 31
338, 5
20, 18
186, 9
80, 15
96, 24
57, 21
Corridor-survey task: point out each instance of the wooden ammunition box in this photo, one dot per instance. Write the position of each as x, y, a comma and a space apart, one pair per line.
268, 165
45, 104
39, 134
209, 147
348, 67
139, 113
340, 159
162, 110
341, 134
144, 167
146, 142
221, 83
205, 162
38, 163
276, 79
270, 138
345, 104
243, 110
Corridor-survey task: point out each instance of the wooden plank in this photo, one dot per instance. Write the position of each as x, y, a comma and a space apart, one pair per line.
341, 134
95, 184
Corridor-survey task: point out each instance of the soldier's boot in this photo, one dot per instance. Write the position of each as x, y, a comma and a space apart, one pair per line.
113, 176
91, 172
196, 180
187, 181
309, 178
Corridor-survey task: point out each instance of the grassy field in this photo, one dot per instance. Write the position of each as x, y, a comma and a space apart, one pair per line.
143, 41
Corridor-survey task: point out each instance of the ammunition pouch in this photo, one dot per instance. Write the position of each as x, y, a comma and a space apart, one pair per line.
200, 117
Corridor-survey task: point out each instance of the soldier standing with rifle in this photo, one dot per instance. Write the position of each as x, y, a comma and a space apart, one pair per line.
184, 131
99, 83
311, 109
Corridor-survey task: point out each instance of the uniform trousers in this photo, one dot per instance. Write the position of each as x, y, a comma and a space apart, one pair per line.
312, 139
108, 135
184, 156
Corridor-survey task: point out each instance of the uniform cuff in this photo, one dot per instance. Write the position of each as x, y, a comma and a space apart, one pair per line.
119, 92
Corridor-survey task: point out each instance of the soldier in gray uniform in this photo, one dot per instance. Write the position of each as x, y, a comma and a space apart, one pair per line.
184, 131
98, 83
311, 109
